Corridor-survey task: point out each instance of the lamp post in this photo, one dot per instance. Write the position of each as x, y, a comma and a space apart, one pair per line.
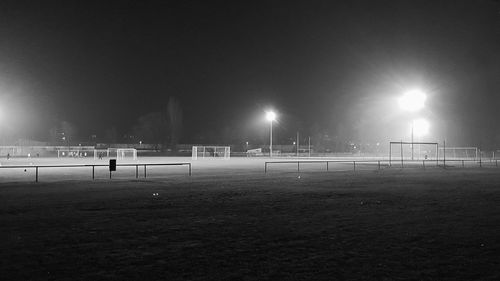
412, 101
271, 116
420, 128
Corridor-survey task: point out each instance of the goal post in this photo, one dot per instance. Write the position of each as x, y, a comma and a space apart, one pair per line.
401, 151
211, 152
126, 153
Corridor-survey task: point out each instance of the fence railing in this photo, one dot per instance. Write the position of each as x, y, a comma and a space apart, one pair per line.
326, 162
381, 163
144, 166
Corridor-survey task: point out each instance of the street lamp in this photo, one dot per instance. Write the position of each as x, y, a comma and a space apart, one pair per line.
271, 116
420, 128
412, 101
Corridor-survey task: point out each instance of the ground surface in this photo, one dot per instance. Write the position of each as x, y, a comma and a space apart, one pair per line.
236, 224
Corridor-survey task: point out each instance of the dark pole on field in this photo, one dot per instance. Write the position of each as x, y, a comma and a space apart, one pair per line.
298, 166
412, 125
354, 165
309, 147
444, 154
136, 171
144, 171
390, 153
265, 167
93, 172
36, 177
437, 154
401, 154
189, 169
327, 165
297, 144
271, 140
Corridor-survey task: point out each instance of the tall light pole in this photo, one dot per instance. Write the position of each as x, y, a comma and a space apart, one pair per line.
271, 116
412, 101
420, 128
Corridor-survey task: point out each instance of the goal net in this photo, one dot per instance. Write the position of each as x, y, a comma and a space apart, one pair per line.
459, 153
211, 152
126, 153
407, 151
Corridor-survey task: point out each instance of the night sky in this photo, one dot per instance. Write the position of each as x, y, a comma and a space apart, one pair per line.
323, 66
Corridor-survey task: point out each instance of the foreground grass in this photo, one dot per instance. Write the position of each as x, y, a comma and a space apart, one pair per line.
387, 225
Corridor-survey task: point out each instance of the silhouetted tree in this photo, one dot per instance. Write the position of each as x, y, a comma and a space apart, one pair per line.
68, 132
111, 135
152, 128
174, 120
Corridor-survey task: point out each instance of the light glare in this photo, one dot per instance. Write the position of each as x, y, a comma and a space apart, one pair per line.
270, 116
420, 127
413, 100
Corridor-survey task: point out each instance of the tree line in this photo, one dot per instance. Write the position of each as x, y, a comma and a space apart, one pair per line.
162, 128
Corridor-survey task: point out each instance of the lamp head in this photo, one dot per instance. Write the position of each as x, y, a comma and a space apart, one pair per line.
413, 100
270, 116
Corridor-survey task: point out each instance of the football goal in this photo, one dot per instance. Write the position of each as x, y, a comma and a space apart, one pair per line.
126, 153
408, 151
211, 152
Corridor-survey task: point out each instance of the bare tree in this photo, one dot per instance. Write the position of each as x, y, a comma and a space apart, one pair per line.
174, 120
68, 132
111, 135
152, 128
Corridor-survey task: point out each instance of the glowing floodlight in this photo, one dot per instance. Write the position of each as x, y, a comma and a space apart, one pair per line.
270, 116
420, 127
413, 100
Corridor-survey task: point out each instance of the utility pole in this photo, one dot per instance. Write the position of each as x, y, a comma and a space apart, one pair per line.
309, 147
297, 144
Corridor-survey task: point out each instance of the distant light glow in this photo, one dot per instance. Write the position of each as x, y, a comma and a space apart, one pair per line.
413, 100
420, 127
270, 116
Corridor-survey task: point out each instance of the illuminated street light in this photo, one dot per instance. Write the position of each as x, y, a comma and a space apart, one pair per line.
271, 116
412, 101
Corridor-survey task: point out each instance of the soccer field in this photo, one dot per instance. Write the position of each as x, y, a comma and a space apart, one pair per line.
392, 224
24, 169
219, 167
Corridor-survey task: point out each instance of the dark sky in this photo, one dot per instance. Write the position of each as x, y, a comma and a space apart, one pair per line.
322, 65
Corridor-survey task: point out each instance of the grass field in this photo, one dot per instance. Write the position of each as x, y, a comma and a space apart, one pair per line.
230, 221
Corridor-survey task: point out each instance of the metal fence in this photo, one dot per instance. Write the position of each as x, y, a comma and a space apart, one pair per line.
93, 166
326, 162
387, 163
